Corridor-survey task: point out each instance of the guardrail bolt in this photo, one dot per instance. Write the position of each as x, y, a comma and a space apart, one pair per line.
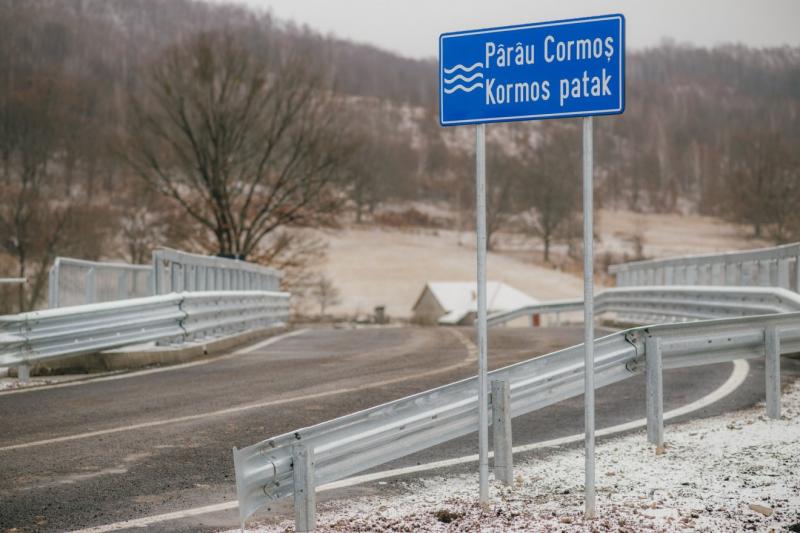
501, 428
305, 500
772, 350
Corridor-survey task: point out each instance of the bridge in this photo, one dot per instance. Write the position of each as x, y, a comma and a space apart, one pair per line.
326, 413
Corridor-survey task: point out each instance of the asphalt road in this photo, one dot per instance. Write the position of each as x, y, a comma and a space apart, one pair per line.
150, 443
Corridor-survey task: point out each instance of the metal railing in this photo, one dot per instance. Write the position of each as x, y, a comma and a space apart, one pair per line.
280, 466
176, 271
776, 267
37, 336
13, 281
79, 282
670, 304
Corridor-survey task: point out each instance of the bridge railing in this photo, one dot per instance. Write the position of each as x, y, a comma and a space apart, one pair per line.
775, 267
654, 305
78, 282
298, 461
176, 271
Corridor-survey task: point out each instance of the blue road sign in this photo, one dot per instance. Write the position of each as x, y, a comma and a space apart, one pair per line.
565, 68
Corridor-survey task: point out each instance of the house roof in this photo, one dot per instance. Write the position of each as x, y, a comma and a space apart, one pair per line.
458, 298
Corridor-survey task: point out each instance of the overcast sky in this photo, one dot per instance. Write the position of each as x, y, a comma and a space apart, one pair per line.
411, 27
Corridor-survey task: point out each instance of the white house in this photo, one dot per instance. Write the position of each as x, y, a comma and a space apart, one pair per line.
456, 302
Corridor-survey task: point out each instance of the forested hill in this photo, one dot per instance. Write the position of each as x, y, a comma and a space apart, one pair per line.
685, 105
107, 40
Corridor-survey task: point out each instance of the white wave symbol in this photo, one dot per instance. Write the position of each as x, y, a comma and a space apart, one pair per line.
462, 67
464, 78
460, 87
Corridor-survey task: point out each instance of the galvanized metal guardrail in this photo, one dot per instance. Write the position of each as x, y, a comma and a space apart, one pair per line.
36, 336
670, 304
296, 462
778, 266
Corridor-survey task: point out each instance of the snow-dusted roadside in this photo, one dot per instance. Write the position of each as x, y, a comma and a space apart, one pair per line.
736, 472
7, 383
14, 383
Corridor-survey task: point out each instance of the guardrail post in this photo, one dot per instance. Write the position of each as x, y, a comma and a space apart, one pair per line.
304, 496
772, 349
797, 273
729, 274
122, 285
783, 274
762, 269
501, 429
655, 391
52, 287
23, 373
680, 275
692, 272
91, 287
747, 273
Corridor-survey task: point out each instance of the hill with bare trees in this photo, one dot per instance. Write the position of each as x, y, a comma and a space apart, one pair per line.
88, 135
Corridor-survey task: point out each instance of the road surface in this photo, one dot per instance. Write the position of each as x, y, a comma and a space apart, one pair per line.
155, 442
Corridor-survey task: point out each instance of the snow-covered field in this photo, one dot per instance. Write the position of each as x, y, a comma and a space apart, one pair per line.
670, 235
738, 472
374, 266
380, 267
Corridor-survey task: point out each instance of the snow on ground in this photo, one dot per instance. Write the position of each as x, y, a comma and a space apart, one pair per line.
374, 266
670, 235
8, 383
737, 472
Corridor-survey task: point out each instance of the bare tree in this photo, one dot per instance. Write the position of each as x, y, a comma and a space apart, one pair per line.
553, 186
243, 143
325, 293
383, 161
298, 253
147, 219
506, 178
762, 182
37, 218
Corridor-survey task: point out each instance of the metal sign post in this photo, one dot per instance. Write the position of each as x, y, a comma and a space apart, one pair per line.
588, 318
480, 220
560, 69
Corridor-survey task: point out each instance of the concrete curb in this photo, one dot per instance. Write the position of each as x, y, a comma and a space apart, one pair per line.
133, 358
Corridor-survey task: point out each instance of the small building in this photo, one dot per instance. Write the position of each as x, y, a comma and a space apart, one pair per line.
456, 302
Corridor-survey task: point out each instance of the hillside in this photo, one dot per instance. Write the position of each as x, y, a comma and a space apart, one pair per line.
666, 153
709, 132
